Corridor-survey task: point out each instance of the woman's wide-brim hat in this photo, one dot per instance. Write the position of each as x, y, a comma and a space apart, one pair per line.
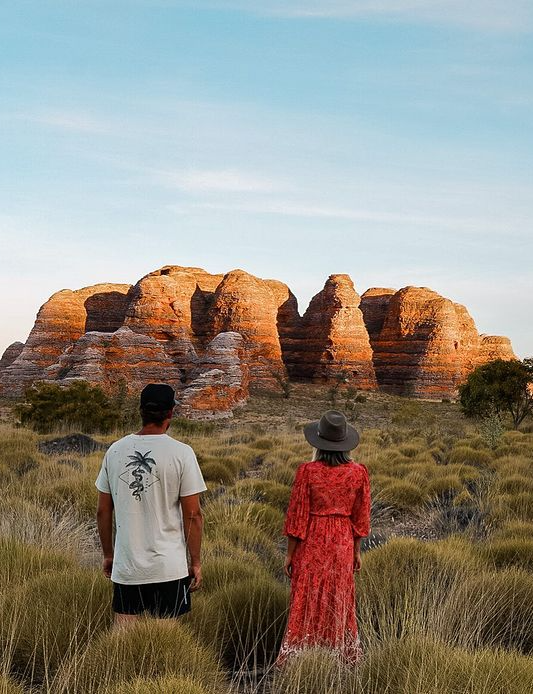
331, 433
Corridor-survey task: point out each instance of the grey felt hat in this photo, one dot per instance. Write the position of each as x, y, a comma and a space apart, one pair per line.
331, 433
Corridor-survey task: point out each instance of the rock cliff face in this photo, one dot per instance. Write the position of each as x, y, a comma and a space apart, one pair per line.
220, 380
333, 341
427, 345
61, 321
247, 305
212, 336
110, 359
11, 353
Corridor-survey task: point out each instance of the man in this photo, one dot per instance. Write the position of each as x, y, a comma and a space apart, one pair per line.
152, 483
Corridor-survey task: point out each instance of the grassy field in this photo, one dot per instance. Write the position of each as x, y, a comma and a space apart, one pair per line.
445, 596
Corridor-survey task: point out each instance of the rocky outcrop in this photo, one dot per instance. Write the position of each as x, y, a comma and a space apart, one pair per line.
114, 359
495, 347
427, 345
220, 381
61, 321
247, 305
333, 340
10, 354
213, 335
374, 306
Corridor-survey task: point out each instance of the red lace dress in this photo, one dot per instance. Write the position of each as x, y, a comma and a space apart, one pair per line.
328, 508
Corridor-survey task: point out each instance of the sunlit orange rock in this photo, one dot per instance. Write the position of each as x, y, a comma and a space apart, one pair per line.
62, 320
220, 380
495, 347
333, 340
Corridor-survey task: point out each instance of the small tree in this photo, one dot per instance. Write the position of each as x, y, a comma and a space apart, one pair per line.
499, 386
49, 405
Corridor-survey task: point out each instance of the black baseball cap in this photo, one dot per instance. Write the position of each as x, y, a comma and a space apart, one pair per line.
158, 396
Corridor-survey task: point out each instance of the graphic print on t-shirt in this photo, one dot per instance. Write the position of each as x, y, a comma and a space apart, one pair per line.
140, 469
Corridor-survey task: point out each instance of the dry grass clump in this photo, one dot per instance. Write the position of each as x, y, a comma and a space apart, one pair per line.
517, 507
403, 495
9, 686
520, 530
515, 484
49, 617
491, 609
217, 472
315, 671
423, 665
149, 649
465, 455
221, 571
502, 553
264, 490
20, 561
161, 685
244, 620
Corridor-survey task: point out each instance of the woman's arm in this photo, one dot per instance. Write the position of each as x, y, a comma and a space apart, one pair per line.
291, 546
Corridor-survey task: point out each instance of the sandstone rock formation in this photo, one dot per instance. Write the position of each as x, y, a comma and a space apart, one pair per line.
10, 354
427, 345
220, 381
333, 340
61, 321
247, 305
112, 359
212, 336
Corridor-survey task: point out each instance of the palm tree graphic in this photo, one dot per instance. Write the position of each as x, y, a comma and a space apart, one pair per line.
142, 465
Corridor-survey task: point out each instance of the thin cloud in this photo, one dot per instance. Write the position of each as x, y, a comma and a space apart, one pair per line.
71, 121
492, 15
214, 181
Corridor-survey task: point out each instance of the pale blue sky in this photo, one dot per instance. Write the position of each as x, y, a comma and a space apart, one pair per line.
390, 139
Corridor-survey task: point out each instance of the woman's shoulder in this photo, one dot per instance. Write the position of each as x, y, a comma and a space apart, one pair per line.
359, 468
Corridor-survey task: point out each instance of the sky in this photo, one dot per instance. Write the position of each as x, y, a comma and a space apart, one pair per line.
388, 139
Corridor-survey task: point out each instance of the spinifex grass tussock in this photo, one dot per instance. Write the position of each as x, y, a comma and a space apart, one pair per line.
519, 530
162, 685
422, 665
244, 620
264, 490
514, 507
9, 686
221, 571
491, 609
316, 671
149, 649
51, 617
403, 495
59, 529
502, 553
515, 484
217, 472
465, 455
20, 561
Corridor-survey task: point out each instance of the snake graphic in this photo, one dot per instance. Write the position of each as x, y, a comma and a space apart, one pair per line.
142, 465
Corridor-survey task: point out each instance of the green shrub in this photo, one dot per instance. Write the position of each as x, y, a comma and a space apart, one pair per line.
245, 620
49, 405
161, 685
148, 649
52, 616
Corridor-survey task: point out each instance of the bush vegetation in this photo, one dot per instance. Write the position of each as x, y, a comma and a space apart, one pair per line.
447, 610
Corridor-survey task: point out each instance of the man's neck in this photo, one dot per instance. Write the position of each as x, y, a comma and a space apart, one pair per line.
152, 429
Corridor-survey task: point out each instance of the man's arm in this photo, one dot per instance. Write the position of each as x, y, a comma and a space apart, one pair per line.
193, 523
104, 521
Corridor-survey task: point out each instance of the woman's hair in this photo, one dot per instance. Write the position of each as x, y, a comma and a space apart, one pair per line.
156, 417
332, 457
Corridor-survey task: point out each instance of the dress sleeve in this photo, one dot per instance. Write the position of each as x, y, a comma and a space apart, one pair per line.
360, 516
297, 516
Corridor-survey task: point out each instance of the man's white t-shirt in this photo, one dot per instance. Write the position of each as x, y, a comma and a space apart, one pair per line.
146, 476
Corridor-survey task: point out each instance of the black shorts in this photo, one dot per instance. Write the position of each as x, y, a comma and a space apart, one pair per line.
168, 599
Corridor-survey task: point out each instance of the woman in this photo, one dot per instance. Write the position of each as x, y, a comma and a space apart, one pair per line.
328, 514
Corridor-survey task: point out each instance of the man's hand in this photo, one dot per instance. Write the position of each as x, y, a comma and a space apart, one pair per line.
195, 572
107, 566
